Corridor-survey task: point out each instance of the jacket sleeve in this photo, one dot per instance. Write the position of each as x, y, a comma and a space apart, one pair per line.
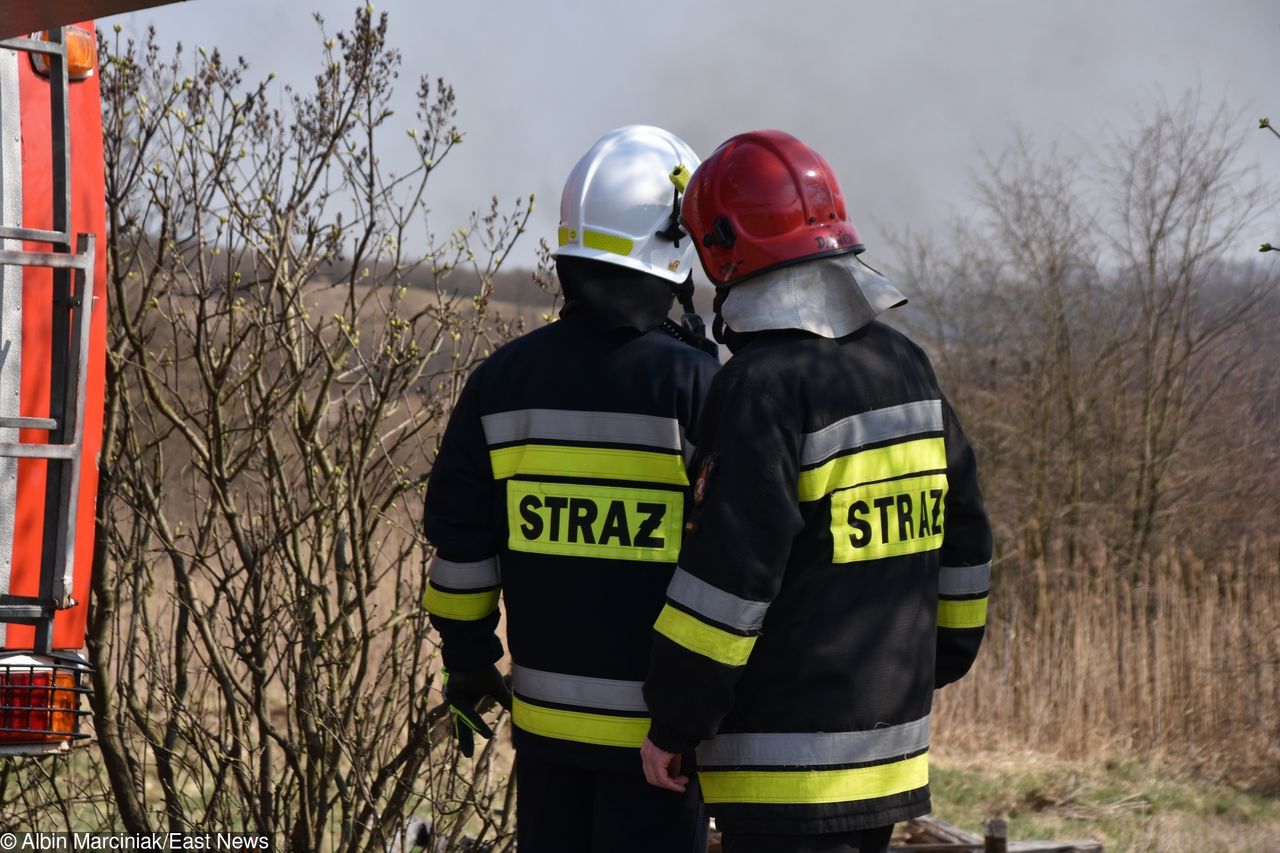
692, 407
966, 561
463, 579
737, 543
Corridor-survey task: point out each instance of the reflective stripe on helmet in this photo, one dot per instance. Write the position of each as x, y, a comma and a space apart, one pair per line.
596, 240
607, 242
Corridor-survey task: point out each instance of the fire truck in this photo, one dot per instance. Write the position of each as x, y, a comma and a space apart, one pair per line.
52, 363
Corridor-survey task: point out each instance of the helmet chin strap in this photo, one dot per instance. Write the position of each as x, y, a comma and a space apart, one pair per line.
691, 324
725, 334
718, 329
684, 295
721, 330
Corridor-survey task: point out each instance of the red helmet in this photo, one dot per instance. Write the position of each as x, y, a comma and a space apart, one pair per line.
763, 200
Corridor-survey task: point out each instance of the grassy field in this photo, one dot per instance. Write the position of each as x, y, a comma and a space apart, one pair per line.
1128, 805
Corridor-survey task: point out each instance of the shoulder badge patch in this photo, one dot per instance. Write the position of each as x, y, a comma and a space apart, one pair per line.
704, 479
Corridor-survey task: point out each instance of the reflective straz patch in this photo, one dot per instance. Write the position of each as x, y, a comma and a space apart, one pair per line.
888, 519
573, 520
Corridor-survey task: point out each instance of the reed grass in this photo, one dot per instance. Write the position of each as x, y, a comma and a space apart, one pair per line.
1174, 658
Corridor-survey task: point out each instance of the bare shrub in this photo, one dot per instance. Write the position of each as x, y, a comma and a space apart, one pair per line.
287, 336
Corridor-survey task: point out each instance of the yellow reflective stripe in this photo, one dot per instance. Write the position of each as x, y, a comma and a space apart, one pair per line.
881, 463
969, 613
706, 640
562, 235
580, 726
802, 787
592, 462
464, 606
607, 242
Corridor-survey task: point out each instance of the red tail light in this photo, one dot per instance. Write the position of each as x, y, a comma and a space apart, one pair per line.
39, 700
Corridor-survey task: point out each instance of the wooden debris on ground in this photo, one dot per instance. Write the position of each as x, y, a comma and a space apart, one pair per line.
927, 834
930, 835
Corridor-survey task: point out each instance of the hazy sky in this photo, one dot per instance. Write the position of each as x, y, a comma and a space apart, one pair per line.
903, 98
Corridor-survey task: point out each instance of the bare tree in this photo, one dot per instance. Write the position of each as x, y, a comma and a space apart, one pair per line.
1089, 320
1112, 353
1181, 201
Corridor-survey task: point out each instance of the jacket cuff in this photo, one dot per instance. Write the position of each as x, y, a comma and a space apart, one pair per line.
462, 656
671, 740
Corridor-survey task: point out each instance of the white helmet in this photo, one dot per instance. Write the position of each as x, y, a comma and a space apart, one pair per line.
620, 203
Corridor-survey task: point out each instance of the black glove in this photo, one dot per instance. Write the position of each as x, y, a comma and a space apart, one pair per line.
463, 691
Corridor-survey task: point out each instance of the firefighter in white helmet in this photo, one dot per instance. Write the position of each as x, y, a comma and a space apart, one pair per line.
561, 482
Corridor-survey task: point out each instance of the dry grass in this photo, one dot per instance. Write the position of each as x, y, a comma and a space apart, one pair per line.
1180, 662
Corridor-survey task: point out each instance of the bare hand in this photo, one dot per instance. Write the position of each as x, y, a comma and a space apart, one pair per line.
659, 765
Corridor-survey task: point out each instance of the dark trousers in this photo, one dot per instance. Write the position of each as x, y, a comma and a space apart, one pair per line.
864, 841
562, 809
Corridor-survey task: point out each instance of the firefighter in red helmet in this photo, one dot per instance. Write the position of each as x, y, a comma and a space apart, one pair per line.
836, 562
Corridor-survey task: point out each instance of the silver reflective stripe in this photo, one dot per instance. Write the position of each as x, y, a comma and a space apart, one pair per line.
690, 449
481, 574
877, 425
604, 693
716, 604
814, 749
564, 425
964, 580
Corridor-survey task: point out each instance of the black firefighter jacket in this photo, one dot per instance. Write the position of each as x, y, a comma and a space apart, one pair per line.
834, 574
561, 482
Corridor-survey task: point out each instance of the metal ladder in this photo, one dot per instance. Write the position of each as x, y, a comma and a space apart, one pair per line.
72, 309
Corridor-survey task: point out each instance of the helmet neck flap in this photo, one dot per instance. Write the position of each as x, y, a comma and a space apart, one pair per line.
832, 297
